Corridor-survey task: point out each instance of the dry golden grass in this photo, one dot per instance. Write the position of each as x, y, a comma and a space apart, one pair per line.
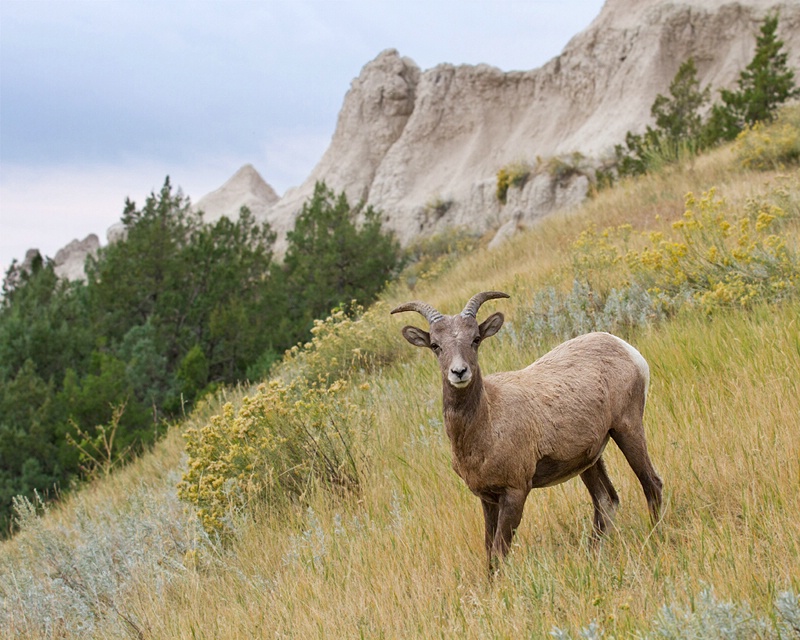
405, 557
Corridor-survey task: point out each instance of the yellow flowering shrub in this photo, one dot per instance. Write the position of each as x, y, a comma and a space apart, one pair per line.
598, 250
712, 256
716, 257
771, 145
343, 344
515, 174
282, 440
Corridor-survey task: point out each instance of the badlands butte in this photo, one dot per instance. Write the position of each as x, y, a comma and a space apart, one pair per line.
424, 146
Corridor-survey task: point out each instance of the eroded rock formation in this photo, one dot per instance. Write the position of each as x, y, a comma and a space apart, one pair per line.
245, 189
70, 260
408, 140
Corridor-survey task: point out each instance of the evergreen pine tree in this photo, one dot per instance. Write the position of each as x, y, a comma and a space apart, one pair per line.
766, 83
337, 253
678, 118
678, 124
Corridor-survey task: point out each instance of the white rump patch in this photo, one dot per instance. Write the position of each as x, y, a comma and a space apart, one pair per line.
638, 360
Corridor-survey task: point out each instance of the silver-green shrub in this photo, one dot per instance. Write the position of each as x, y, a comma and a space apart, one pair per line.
562, 316
74, 579
708, 618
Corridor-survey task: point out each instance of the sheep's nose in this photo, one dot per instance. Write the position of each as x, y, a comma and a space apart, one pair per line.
458, 372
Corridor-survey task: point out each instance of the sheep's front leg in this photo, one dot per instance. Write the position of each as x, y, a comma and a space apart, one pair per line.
511, 504
491, 510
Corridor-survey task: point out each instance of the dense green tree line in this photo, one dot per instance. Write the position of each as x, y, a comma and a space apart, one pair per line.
166, 314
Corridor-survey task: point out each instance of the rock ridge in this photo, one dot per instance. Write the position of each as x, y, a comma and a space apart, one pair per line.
246, 188
454, 126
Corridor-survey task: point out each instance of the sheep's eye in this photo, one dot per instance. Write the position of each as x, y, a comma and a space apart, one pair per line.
476, 341
435, 347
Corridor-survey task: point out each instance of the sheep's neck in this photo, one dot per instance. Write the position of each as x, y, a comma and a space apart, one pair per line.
466, 414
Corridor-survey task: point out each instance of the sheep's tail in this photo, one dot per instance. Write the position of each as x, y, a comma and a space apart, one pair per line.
641, 364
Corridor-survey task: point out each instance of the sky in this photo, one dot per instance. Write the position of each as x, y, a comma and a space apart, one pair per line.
100, 100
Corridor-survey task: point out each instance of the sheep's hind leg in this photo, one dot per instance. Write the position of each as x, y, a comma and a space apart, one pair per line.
604, 496
634, 448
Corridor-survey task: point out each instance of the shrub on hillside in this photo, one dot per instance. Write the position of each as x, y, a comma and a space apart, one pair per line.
561, 316
342, 345
515, 174
303, 429
281, 442
717, 258
771, 146
437, 207
713, 257
565, 167
75, 578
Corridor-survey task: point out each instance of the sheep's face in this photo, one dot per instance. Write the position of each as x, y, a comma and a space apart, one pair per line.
454, 341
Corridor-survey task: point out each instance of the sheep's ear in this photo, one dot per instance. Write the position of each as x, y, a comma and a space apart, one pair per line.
491, 325
417, 336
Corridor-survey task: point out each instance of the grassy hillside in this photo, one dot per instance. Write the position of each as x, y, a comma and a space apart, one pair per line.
400, 553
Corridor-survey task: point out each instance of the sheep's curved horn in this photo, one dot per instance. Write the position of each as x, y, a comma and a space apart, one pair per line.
471, 309
423, 308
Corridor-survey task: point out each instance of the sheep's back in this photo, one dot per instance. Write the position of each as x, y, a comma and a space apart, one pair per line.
565, 402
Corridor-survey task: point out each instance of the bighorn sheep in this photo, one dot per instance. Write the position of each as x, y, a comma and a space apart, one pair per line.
514, 431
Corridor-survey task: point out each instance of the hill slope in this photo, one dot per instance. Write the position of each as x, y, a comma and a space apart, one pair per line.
403, 557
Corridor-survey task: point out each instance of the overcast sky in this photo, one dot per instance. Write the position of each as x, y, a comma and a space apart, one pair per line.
100, 100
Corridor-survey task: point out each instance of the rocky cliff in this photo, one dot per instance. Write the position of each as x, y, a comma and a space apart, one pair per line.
70, 260
425, 146
245, 189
